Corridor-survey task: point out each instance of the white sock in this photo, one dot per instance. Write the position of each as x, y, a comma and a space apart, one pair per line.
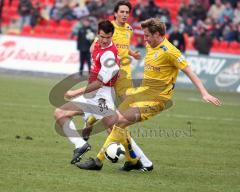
70, 131
139, 153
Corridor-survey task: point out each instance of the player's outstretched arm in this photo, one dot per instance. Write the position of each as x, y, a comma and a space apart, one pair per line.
89, 88
197, 82
134, 54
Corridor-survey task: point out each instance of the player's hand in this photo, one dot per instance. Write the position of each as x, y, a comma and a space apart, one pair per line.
136, 55
211, 99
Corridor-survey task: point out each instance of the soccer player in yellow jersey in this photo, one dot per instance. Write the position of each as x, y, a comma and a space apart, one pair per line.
162, 64
122, 39
123, 33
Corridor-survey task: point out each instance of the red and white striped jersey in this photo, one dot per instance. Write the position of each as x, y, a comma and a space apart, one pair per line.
105, 64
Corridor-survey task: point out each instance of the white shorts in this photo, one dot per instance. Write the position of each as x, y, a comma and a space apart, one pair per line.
99, 103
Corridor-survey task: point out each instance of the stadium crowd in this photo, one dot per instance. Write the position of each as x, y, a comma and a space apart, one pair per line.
218, 19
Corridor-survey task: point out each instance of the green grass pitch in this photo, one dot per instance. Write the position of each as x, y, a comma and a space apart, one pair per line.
194, 146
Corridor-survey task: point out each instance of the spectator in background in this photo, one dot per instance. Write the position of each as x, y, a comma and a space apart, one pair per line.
236, 18
79, 12
197, 12
61, 10
238, 32
188, 27
153, 9
78, 25
84, 40
177, 39
204, 3
97, 8
35, 13
164, 16
218, 32
234, 2
203, 42
140, 11
216, 10
91, 5
65, 11
1, 8
208, 24
25, 9
227, 14
146, 9
183, 12
230, 32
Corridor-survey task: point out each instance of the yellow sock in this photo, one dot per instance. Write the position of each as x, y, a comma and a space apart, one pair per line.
122, 136
116, 135
91, 120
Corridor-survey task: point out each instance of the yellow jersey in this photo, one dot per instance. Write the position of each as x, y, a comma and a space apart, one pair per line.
122, 38
161, 67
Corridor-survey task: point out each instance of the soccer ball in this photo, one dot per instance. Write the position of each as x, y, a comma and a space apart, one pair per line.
115, 152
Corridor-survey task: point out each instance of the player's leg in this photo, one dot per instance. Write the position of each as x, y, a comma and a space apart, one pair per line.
65, 123
95, 107
124, 87
148, 109
109, 122
142, 111
118, 134
144, 164
88, 130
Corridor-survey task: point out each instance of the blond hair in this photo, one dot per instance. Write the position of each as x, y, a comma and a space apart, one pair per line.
154, 25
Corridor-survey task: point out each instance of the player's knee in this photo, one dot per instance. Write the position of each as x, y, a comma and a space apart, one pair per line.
109, 121
58, 114
123, 121
126, 119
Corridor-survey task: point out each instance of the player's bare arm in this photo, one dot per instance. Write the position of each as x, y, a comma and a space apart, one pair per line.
135, 54
197, 82
95, 85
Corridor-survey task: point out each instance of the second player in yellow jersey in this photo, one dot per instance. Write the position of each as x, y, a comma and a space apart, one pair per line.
161, 66
121, 38
123, 33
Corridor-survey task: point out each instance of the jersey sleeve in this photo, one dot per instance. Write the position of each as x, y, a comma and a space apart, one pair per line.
177, 59
109, 67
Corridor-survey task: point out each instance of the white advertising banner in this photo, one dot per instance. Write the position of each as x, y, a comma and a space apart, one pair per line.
38, 54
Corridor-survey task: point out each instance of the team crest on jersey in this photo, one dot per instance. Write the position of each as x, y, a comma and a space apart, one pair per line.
127, 35
156, 54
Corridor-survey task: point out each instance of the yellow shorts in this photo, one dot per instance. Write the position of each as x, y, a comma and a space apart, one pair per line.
148, 105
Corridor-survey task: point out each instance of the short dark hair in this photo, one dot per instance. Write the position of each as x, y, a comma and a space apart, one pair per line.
119, 3
106, 26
